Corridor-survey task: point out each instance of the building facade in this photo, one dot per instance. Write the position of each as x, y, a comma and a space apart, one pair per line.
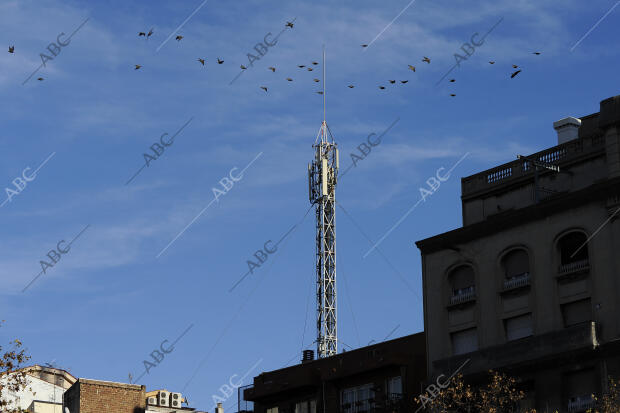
531, 282
385, 377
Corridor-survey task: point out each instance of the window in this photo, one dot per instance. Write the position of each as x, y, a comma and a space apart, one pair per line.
272, 410
357, 399
580, 387
573, 248
464, 341
306, 406
462, 284
516, 266
577, 312
518, 327
395, 388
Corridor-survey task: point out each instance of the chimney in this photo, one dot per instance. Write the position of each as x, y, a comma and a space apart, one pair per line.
308, 355
567, 128
219, 408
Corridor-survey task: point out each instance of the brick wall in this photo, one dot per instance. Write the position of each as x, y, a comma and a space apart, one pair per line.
94, 396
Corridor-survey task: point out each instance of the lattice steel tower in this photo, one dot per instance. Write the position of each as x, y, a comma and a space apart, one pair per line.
322, 177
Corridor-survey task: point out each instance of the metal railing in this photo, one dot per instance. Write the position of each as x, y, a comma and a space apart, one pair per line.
581, 403
573, 267
463, 295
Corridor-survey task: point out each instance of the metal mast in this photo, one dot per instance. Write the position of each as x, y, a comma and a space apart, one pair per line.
322, 176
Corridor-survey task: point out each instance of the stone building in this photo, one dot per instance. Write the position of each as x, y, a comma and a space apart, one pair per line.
530, 284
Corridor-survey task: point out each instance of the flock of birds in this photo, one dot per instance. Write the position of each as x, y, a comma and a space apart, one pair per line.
308, 68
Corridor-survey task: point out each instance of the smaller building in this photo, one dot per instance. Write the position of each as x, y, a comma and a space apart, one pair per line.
384, 377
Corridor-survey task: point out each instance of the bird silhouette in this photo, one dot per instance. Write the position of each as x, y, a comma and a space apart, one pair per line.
452, 80
301, 66
514, 66
289, 24
273, 69
515, 73
141, 34
452, 94
412, 68
201, 61
11, 49
364, 45
289, 79
403, 81
316, 80
39, 78
138, 67
320, 93
426, 59
178, 38
315, 63
350, 86
536, 53
264, 88
219, 61
310, 69
492, 62
150, 33
381, 87
392, 81
243, 67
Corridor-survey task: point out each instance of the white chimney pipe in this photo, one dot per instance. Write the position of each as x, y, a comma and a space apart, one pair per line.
567, 128
219, 408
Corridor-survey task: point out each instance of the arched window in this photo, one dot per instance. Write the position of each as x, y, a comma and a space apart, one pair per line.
462, 284
573, 248
516, 267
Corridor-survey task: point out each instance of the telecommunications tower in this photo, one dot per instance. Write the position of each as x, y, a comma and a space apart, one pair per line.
322, 177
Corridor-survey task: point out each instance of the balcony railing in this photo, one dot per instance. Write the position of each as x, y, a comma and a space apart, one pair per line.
463, 295
518, 168
574, 267
517, 281
581, 403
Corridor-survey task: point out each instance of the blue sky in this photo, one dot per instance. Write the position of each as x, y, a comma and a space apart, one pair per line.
110, 301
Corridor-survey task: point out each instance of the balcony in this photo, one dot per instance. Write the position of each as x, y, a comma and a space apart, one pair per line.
581, 403
530, 352
517, 281
463, 295
572, 268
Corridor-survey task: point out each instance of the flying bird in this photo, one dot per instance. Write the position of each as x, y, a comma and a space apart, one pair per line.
452, 80
515, 73
289, 79
310, 69
392, 81
320, 93
381, 87
11, 49
316, 80
315, 63
364, 45
243, 67
141, 34
426, 59
536, 53
412, 68
492, 62
149, 34
273, 69
403, 81
178, 38
515, 66
289, 24
452, 94
138, 67
219, 61
264, 88
201, 61
350, 86
39, 78
301, 66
